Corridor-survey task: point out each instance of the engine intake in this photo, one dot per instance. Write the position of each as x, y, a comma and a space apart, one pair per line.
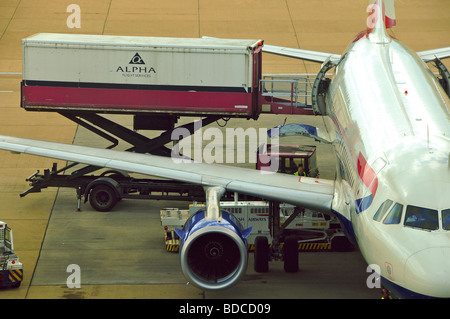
213, 253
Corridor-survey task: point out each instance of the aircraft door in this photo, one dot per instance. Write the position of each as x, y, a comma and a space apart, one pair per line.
320, 87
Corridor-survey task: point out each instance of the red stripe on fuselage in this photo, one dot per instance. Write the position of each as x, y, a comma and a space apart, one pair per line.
367, 174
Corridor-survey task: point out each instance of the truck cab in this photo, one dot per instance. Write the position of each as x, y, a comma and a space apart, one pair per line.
289, 157
11, 269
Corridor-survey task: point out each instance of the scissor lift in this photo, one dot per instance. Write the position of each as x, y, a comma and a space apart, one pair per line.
282, 95
105, 190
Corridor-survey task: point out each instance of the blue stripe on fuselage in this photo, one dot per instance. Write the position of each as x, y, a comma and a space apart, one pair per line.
363, 203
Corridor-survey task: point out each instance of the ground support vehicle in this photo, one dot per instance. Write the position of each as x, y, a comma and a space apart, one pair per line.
310, 230
157, 80
84, 77
290, 234
104, 191
289, 157
11, 269
170, 219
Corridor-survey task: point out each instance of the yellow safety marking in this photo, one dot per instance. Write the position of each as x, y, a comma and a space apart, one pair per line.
251, 247
308, 246
172, 247
314, 246
15, 275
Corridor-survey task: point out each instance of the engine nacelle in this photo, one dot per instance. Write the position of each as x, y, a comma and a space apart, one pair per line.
213, 252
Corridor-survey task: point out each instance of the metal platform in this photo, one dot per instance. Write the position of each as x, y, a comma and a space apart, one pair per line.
287, 93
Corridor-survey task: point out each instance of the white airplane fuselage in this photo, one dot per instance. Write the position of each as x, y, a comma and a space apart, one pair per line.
391, 122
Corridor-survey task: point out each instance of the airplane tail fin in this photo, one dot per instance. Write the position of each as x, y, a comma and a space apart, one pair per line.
381, 17
388, 12
389, 16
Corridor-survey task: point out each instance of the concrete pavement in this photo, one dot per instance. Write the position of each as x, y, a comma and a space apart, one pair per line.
49, 234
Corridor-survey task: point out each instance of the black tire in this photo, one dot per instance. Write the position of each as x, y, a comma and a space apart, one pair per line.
341, 244
290, 253
102, 198
261, 254
16, 285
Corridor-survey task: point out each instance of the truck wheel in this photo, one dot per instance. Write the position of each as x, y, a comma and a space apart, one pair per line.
16, 285
341, 244
102, 198
261, 254
290, 252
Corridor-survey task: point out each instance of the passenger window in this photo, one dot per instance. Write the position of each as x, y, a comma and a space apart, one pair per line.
395, 215
446, 219
419, 217
382, 210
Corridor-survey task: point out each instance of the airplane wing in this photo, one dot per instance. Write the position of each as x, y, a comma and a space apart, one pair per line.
430, 55
314, 56
320, 57
315, 194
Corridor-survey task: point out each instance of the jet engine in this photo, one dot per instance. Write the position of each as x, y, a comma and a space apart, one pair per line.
213, 252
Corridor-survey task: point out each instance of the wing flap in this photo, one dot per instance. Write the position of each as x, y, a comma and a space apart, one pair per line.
306, 192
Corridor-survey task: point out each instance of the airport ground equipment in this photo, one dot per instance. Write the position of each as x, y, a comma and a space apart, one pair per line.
11, 269
307, 226
155, 81
172, 218
299, 230
305, 229
288, 158
141, 74
154, 75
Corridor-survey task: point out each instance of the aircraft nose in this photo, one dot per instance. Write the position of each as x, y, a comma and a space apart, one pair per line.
427, 272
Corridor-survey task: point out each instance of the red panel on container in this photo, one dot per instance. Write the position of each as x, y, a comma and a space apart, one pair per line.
129, 100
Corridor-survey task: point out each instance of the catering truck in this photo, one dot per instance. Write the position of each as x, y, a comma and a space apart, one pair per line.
130, 74
155, 80
11, 270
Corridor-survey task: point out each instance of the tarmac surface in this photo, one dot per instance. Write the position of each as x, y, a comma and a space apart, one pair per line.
121, 254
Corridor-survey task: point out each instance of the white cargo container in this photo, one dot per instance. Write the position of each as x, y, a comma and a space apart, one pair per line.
141, 74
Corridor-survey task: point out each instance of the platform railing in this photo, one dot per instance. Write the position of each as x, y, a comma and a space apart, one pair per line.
288, 89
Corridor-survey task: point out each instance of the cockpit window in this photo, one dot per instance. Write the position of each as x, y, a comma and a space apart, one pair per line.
395, 215
446, 219
382, 210
420, 217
